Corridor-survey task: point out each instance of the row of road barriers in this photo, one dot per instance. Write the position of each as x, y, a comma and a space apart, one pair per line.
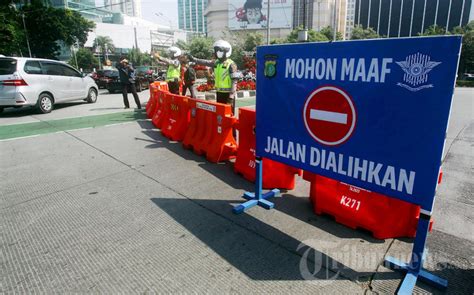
207, 129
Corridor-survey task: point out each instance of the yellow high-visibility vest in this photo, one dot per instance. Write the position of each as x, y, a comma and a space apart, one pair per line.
172, 73
222, 77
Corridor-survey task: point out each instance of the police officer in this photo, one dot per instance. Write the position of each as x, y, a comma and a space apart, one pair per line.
225, 72
174, 69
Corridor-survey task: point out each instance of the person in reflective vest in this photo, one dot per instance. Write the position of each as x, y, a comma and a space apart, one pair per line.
173, 73
225, 72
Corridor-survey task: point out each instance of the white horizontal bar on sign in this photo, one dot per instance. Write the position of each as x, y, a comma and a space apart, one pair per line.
328, 116
207, 107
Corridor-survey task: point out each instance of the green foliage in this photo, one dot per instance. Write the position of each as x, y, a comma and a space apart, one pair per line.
103, 44
434, 30
313, 36
10, 35
466, 62
201, 47
46, 28
329, 33
85, 60
138, 58
464, 83
251, 41
360, 33
182, 45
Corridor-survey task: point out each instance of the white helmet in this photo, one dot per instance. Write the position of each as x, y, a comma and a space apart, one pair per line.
174, 51
222, 48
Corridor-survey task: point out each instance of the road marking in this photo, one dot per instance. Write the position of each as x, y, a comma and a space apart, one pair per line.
328, 116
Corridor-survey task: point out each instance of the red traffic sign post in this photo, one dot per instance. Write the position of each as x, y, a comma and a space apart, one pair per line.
329, 115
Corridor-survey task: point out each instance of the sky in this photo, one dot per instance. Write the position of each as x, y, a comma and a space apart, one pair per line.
169, 8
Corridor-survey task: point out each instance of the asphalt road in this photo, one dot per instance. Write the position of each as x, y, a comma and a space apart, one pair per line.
94, 200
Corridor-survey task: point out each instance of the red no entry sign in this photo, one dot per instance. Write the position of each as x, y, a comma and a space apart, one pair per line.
329, 115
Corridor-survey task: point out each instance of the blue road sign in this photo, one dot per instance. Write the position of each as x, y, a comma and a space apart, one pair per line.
371, 113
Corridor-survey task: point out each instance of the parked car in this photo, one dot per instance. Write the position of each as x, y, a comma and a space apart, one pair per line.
468, 76
114, 85
42, 83
147, 72
102, 77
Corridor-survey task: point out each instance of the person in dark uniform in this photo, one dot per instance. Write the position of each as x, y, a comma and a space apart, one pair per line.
189, 79
127, 78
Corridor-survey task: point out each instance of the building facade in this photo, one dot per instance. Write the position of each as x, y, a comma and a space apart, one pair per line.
191, 15
240, 17
406, 18
321, 14
128, 7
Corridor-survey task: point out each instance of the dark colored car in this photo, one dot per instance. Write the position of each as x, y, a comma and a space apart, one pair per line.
146, 72
113, 84
102, 77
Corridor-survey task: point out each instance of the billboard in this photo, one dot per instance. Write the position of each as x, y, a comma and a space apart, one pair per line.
252, 14
370, 113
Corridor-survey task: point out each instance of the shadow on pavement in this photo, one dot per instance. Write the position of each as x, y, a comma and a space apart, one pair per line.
32, 110
253, 254
263, 252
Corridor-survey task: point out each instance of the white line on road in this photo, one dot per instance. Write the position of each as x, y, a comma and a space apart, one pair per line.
328, 116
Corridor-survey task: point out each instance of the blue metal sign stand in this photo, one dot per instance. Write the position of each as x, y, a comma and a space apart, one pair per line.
414, 270
257, 198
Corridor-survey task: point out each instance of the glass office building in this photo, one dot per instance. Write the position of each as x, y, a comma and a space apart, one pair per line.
191, 15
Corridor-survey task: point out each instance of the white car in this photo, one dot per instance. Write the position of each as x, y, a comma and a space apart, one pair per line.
42, 83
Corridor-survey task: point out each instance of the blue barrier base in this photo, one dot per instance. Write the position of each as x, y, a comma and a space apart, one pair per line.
257, 198
414, 270
410, 279
261, 201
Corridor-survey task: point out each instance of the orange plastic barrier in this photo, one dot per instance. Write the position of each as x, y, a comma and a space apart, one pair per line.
176, 122
355, 207
275, 174
162, 109
152, 102
210, 130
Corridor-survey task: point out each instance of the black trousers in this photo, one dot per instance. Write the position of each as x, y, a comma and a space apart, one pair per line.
224, 97
191, 88
134, 92
173, 87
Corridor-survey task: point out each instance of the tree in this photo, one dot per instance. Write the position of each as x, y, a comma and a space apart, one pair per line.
138, 58
103, 44
182, 45
434, 30
10, 35
201, 47
46, 28
313, 36
85, 60
329, 33
360, 33
252, 40
466, 61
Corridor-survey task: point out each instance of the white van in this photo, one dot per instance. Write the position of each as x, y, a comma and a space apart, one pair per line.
42, 83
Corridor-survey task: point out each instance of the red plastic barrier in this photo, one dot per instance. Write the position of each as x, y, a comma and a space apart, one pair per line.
162, 109
176, 122
210, 130
355, 207
275, 174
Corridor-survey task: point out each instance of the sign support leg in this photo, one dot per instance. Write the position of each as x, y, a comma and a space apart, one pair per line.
414, 270
257, 198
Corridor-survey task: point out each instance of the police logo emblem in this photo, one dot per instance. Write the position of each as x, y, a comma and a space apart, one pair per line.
416, 68
270, 66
